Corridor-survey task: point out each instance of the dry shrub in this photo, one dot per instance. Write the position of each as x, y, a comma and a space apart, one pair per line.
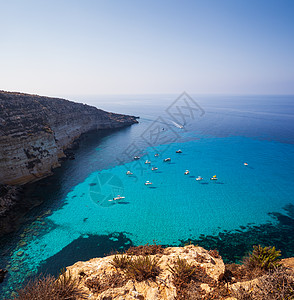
145, 250
68, 287
278, 284
40, 288
65, 287
235, 272
121, 261
142, 268
187, 279
220, 291
100, 284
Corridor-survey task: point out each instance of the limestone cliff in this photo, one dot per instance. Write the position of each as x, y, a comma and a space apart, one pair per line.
35, 131
101, 279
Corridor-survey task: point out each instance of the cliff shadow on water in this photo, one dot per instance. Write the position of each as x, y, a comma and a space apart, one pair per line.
47, 194
232, 245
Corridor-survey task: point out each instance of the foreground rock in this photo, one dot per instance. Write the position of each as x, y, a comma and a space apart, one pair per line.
151, 272
95, 275
35, 131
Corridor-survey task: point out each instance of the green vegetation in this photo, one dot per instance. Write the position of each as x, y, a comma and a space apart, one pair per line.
264, 258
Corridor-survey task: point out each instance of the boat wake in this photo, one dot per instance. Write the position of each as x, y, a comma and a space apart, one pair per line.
178, 125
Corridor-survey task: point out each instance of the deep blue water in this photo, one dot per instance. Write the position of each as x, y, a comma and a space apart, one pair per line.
245, 206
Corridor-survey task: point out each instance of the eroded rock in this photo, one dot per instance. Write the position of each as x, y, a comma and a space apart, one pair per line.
98, 270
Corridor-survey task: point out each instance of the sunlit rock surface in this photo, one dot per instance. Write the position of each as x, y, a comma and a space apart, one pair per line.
99, 269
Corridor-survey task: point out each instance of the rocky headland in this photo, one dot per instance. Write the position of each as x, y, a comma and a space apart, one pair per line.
154, 273
35, 133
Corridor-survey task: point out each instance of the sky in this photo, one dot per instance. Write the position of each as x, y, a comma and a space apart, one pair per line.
95, 47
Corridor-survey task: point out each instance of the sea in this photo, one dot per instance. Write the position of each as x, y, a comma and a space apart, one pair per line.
245, 141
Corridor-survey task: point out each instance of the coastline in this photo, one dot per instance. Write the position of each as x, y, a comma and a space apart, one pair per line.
36, 135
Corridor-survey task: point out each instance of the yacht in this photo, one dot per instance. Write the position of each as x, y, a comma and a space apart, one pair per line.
117, 198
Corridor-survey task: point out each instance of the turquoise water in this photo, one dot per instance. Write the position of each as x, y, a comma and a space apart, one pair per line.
77, 221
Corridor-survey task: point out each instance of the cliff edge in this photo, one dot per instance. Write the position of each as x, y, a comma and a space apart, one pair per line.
174, 273
35, 131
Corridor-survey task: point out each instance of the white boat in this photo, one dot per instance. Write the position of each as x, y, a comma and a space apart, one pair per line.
179, 151
148, 183
213, 177
199, 178
167, 159
136, 157
187, 172
117, 198
245, 164
129, 173
147, 162
156, 154
154, 169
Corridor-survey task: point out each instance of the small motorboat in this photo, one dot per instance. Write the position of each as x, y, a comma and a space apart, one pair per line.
147, 162
167, 159
156, 154
129, 173
117, 198
148, 183
199, 178
179, 151
245, 164
154, 169
187, 172
136, 157
213, 177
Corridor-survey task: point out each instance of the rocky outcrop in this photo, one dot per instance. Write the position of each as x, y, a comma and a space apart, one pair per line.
35, 131
97, 273
99, 279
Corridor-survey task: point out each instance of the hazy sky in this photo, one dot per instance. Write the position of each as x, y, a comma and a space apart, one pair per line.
68, 47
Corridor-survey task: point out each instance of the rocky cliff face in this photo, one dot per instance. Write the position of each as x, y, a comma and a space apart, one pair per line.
35, 131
